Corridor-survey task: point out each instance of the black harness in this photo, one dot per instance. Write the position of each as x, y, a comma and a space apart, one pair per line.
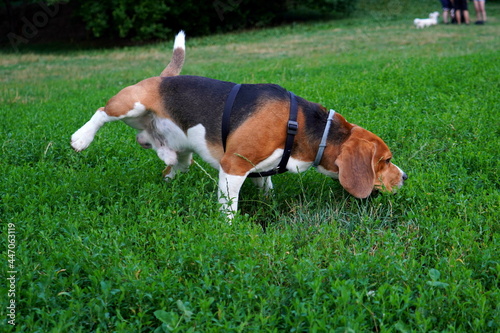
291, 131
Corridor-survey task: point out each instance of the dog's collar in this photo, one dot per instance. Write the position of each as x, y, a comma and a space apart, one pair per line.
292, 128
322, 144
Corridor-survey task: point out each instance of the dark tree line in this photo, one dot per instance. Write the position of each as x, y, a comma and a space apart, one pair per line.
146, 20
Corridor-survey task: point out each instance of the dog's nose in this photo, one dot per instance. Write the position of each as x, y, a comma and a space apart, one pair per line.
405, 176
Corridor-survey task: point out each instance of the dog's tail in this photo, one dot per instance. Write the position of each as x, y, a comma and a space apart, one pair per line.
175, 66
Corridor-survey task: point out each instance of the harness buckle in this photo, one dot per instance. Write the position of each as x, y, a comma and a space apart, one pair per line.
293, 126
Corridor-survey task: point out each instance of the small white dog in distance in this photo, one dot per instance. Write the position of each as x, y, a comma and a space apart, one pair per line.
422, 23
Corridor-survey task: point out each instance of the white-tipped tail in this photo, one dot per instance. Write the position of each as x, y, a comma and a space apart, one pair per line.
180, 40
178, 55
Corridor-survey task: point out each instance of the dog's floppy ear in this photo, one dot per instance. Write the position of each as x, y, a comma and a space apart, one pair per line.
356, 173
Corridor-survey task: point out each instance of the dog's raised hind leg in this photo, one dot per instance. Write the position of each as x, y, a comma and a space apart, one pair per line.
82, 138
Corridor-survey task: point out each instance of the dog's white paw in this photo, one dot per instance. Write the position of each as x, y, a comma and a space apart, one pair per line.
167, 155
81, 140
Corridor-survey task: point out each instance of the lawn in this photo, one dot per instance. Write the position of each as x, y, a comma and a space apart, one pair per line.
100, 243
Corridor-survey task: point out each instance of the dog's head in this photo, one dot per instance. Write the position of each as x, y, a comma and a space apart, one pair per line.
434, 15
364, 164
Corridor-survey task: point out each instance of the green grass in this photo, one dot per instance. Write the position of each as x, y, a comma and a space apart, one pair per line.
104, 245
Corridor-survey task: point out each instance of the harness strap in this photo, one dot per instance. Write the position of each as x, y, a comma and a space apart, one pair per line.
292, 128
226, 116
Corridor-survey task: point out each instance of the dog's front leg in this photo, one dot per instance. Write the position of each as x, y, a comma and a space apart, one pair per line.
229, 189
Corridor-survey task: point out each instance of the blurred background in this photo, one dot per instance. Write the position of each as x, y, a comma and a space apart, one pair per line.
126, 22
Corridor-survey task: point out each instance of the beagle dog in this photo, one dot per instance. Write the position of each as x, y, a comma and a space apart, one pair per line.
181, 115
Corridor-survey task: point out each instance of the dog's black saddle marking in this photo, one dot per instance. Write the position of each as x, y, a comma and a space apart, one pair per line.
291, 131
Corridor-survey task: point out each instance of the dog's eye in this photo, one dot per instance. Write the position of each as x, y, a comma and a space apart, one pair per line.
387, 161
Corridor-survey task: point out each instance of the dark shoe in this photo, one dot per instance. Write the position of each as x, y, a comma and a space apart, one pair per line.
479, 22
